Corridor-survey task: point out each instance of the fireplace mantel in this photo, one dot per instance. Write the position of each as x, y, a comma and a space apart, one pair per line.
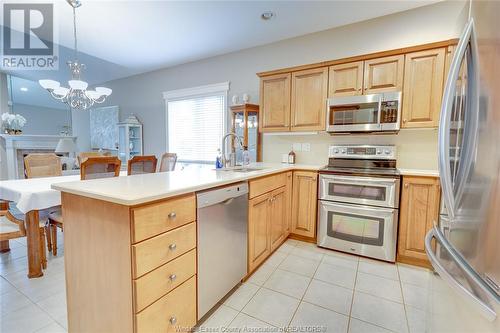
10, 144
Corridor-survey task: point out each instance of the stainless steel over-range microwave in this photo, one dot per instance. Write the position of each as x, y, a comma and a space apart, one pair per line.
364, 113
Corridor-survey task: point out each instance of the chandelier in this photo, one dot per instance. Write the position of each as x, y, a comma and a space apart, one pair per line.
76, 96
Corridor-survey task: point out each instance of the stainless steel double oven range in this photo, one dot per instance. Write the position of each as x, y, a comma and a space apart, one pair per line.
359, 201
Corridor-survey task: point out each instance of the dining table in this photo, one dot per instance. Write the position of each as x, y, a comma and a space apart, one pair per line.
31, 197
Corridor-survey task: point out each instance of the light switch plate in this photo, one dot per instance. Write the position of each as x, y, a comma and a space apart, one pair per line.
306, 147
297, 146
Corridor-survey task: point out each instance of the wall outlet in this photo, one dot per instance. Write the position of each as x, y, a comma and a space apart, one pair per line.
297, 147
306, 147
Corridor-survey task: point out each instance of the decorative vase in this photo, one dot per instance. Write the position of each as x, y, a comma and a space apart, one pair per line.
246, 98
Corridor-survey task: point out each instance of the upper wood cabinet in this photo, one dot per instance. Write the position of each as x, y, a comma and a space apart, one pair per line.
418, 210
308, 99
383, 74
304, 203
423, 88
275, 102
259, 245
345, 79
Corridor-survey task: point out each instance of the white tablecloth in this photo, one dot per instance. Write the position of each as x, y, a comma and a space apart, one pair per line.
35, 193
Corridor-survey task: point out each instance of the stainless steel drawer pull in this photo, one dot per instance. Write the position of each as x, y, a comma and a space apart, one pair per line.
172, 247
173, 320
172, 215
172, 277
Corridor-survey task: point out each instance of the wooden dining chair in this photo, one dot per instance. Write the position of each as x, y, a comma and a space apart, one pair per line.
12, 227
141, 164
86, 154
91, 168
42, 165
168, 161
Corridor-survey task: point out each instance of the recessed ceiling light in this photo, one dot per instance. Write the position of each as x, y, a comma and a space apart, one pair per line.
23, 89
266, 16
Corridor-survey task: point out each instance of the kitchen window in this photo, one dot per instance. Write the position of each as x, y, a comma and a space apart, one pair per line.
196, 122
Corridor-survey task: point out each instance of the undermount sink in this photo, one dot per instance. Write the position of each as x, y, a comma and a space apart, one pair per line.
239, 169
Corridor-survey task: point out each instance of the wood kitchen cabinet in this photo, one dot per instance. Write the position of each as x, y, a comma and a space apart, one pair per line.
278, 217
267, 217
423, 88
304, 203
275, 102
419, 208
383, 74
289, 195
345, 79
259, 245
308, 99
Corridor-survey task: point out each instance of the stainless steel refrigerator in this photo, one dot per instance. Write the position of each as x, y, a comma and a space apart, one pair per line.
464, 245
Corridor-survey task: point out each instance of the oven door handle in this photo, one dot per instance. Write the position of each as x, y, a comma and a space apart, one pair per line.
366, 180
376, 211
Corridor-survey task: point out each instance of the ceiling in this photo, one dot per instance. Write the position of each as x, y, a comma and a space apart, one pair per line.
122, 38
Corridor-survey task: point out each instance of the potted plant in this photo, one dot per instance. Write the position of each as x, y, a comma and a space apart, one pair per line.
13, 123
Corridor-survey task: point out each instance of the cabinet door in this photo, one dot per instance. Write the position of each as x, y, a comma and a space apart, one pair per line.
275, 102
383, 74
289, 195
309, 92
304, 203
418, 210
345, 79
259, 245
423, 88
278, 217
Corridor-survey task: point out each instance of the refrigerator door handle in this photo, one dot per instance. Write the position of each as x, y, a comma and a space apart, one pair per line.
445, 120
485, 309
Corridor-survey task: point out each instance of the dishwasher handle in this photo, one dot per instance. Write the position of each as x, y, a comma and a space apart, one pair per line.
224, 195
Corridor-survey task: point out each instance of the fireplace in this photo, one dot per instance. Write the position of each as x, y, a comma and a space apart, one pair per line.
13, 148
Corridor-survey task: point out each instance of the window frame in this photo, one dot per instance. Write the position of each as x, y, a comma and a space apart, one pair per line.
196, 92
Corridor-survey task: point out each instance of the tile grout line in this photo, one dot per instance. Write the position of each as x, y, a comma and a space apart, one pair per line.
352, 299
404, 302
260, 287
308, 285
32, 301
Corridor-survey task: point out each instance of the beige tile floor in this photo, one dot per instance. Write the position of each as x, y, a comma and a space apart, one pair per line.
300, 286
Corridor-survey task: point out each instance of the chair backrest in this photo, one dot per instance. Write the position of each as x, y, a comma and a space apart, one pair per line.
168, 161
8, 228
86, 154
100, 167
141, 164
42, 165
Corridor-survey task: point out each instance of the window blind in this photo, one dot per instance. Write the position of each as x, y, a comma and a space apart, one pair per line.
196, 126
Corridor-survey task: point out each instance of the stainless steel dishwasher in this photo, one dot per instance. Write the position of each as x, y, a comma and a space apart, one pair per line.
222, 219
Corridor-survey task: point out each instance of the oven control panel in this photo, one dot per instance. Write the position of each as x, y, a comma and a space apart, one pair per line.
375, 152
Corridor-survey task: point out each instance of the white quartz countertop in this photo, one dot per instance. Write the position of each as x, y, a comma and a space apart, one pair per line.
139, 189
419, 172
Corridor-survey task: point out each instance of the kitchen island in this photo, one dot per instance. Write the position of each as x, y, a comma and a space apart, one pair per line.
130, 245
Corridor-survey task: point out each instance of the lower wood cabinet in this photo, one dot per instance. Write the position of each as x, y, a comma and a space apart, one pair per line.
116, 281
304, 203
269, 216
420, 202
259, 245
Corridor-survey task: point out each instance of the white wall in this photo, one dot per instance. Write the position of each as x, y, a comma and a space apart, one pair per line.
4, 94
142, 94
42, 120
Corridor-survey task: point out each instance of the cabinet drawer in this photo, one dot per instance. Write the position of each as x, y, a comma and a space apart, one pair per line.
173, 312
162, 280
266, 184
158, 250
152, 220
